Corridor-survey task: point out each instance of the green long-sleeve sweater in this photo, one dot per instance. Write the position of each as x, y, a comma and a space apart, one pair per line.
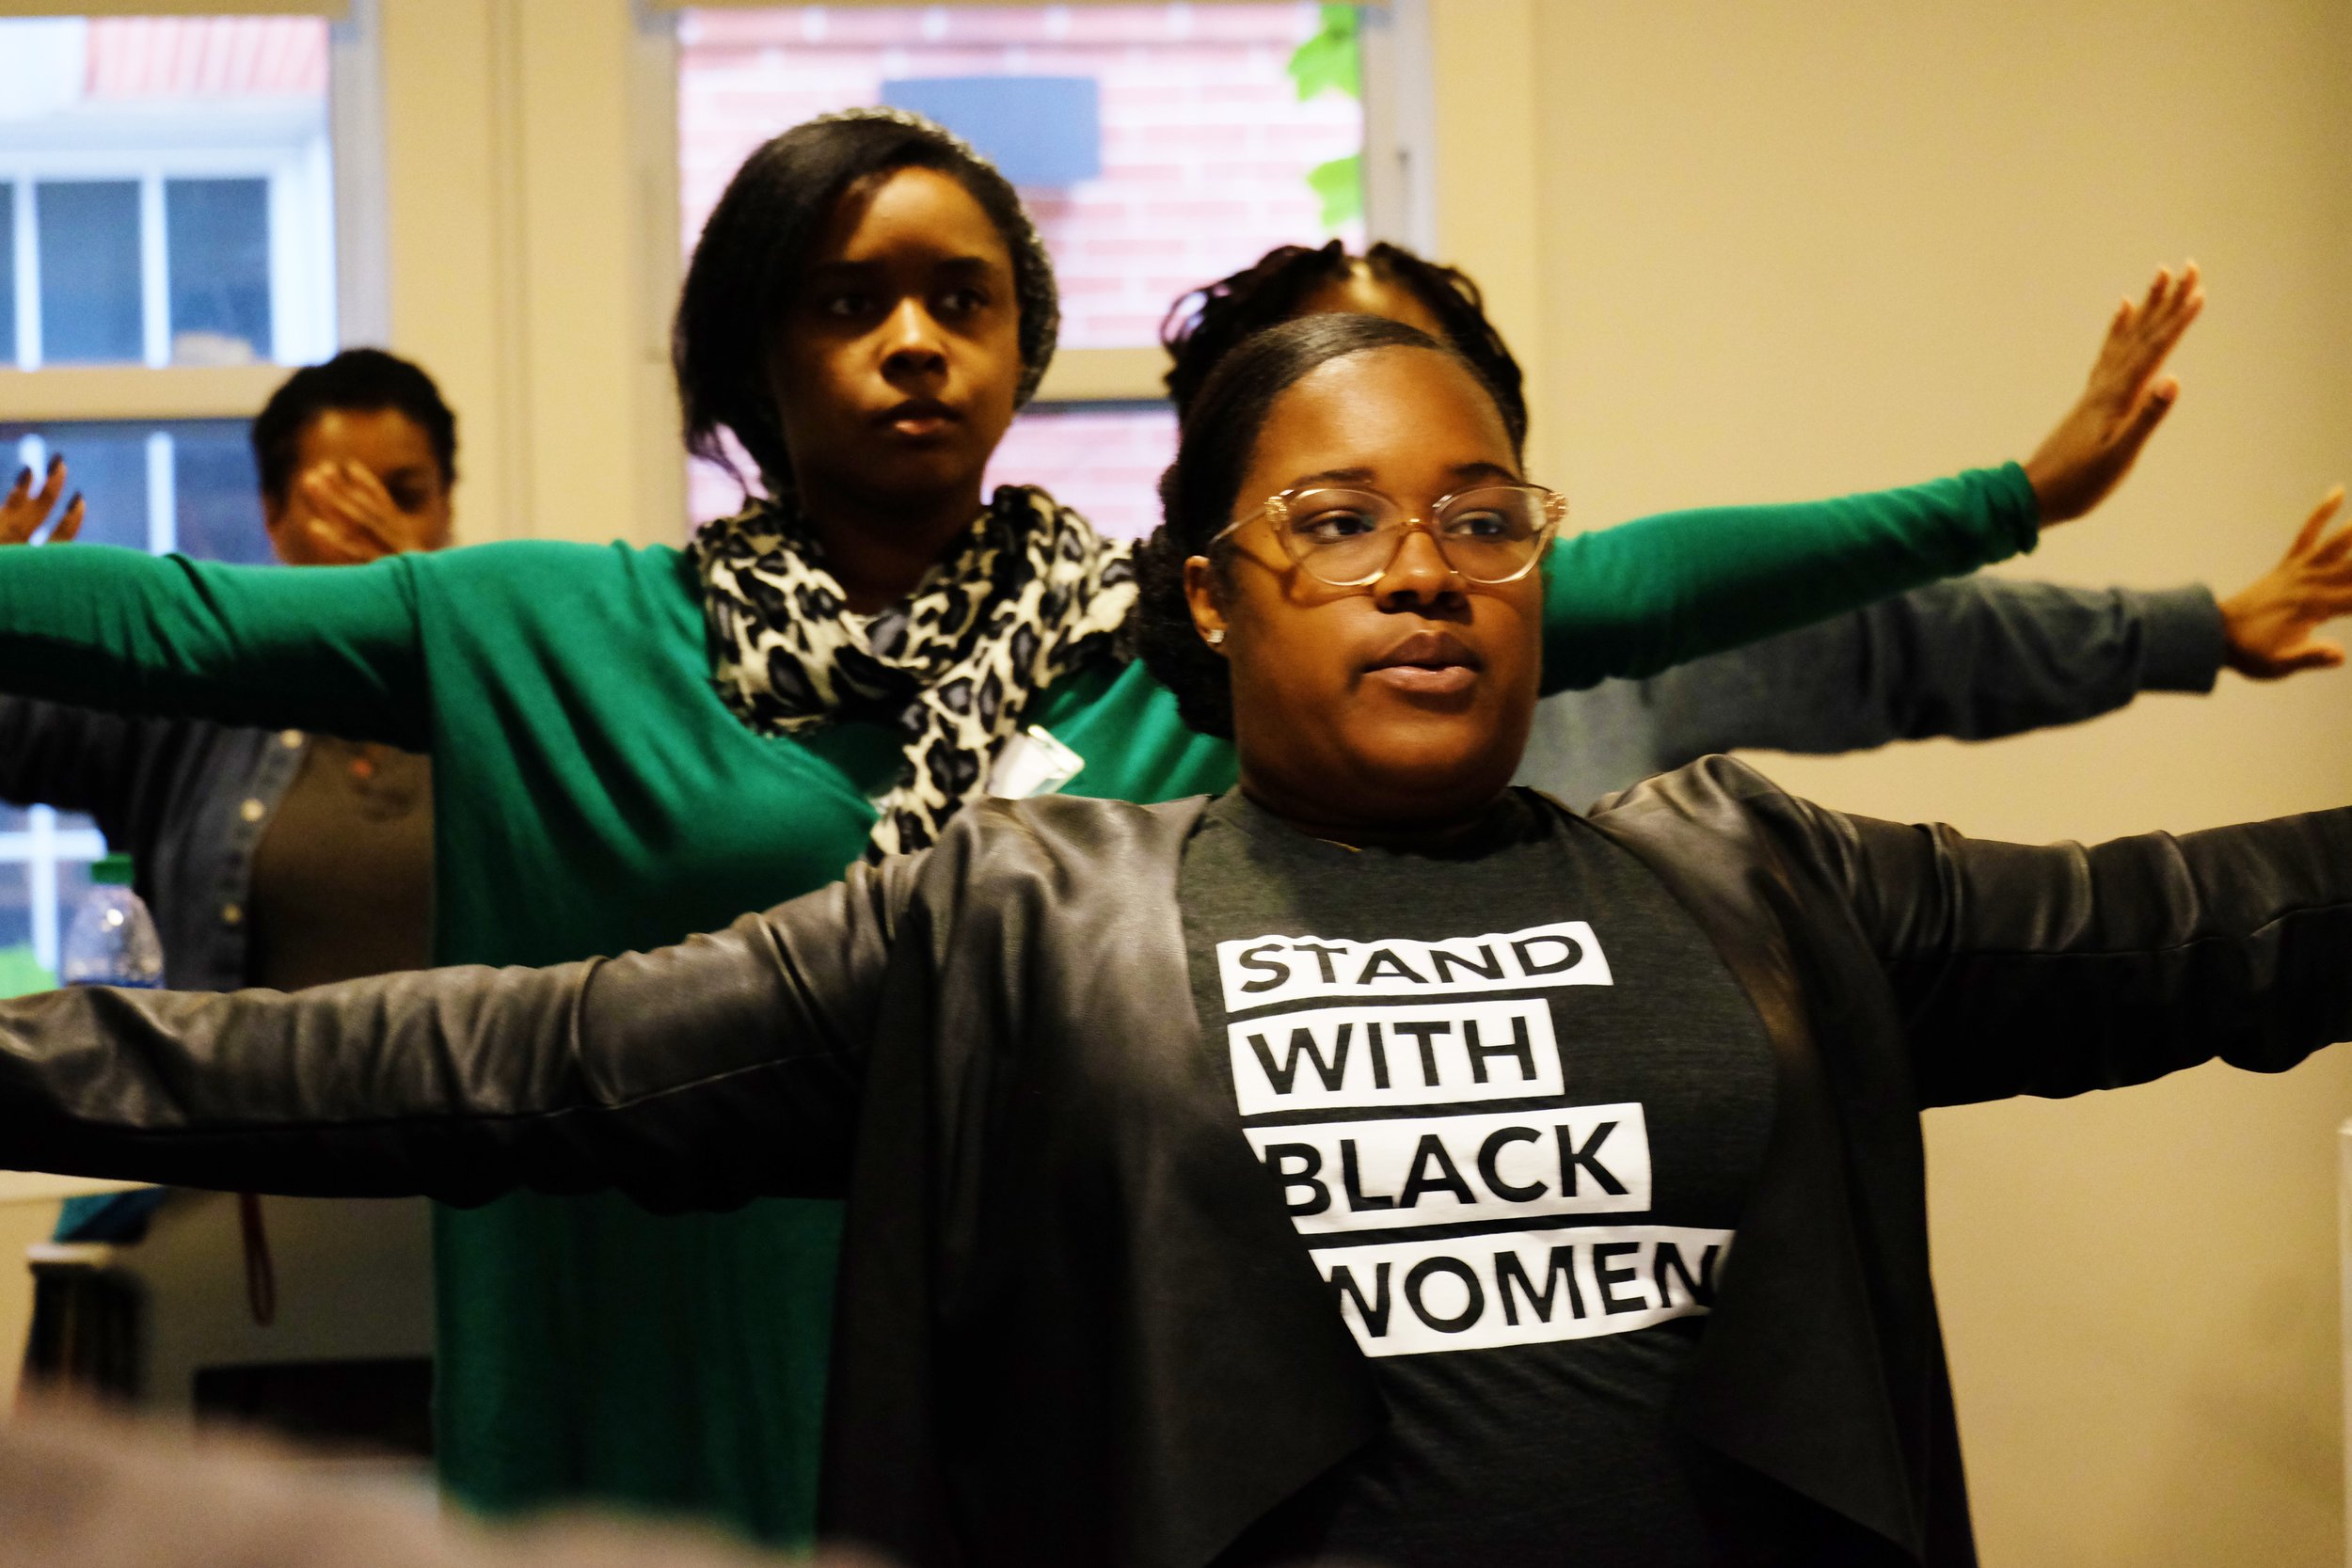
592, 795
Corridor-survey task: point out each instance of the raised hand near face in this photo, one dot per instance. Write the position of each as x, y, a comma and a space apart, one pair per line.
24, 510
2087, 456
347, 515
2270, 622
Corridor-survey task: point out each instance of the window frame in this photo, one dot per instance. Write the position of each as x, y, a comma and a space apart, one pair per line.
338, 243
302, 241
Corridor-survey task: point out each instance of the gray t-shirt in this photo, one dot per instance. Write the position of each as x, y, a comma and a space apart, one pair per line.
1514, 1102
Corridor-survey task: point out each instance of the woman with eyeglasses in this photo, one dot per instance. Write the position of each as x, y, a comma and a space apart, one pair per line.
1375, 1161
633, 744
1973, 658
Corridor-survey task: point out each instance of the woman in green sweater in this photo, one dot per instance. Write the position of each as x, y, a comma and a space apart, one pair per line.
631, 745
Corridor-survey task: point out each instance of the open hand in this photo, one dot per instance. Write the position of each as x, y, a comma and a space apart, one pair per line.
2094, 446
23, 508
2270, 622
349, 517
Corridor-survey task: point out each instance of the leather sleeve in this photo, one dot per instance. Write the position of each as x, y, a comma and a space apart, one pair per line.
75, 759
2052, 970
699, 1076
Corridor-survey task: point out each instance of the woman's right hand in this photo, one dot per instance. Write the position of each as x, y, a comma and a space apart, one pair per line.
346, 513
25, 509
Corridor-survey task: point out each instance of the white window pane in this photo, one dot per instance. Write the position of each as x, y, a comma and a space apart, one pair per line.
218, 241
1204, 158
7, 274
185, 209
16, 911
91, 284
217, 493
44, 875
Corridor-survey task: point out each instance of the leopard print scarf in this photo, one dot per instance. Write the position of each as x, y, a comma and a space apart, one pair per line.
1031, 594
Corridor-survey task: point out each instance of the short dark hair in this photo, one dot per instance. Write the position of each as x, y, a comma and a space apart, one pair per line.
1205, 325
366, 380
756, 245
1215, 445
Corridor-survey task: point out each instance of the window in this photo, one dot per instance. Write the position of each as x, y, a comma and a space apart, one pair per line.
1157, 147
169, 190
166, 240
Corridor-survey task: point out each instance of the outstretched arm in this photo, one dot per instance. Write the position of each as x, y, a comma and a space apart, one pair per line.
330, 649
119, 631
2055, 968
696, 1077
74, 758
1974, 658
1642, 597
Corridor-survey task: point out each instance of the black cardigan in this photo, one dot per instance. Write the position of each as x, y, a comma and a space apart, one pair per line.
1075, 1325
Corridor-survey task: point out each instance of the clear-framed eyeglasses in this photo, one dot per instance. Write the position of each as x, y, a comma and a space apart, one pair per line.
1349, 537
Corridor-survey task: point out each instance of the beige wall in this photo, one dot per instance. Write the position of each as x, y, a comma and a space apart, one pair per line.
530, 220
21, 1225
1791, 250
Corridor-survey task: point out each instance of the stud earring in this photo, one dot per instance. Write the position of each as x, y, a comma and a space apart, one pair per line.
1214, 637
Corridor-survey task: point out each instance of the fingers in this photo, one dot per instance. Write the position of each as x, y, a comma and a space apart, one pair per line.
338, 542
364, 481
2151, 413
70, 524
351, 493
52, 485
25, 511
2141, 337
2331, 556
2307, 537
2311, 654
339, 515
2171, 306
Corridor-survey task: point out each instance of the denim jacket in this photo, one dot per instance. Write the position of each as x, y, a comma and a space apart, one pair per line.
187, 801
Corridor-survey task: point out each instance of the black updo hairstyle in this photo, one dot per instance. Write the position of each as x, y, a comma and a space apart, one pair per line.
1197, 493
756, 245
1205, 325
359, 380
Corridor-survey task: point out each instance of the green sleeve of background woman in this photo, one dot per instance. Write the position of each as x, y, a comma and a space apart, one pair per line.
1648, 595
330, 648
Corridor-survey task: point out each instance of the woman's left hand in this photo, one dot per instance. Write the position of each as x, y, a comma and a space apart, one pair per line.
2095, 445
2270, 620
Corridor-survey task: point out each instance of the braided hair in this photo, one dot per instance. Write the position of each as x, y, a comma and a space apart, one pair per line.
1216, 443
758, 242
1206, 324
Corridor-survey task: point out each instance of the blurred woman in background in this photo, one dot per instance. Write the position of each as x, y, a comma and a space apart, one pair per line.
270, 857
281, 858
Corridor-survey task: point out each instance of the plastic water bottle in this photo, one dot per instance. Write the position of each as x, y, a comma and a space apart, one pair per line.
112, 941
